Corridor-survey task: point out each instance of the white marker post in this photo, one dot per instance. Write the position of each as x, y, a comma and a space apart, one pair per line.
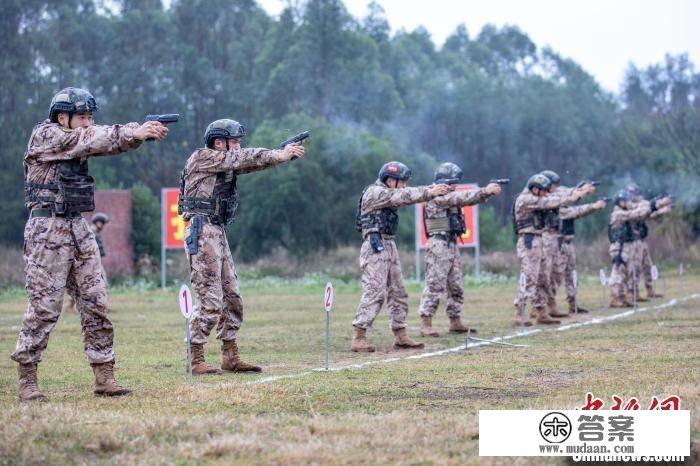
185, 297
634, 287
654, 278
574, 277
327, 306
522, 287
681, 272
603, 282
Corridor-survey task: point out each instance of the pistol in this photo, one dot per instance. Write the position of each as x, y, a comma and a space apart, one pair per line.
585, 182
298, 138
164, 118
607, 200
501, 181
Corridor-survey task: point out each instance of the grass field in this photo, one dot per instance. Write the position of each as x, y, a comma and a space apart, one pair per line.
420, 411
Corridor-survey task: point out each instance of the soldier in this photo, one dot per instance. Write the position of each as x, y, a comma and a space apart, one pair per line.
444, 224
642, 257
60, 249
566, 263
99, 220
378, 221
529, 212
622, 236
551, 240
208, 199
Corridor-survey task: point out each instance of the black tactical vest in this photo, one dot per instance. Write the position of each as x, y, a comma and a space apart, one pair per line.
551, 218
384, 221
535, 219
72, 191
220, 208
623, 234
566, 227
453, 225
641, 229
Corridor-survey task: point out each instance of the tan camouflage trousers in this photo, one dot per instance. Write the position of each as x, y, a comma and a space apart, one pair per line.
213, 277
642, 260
564, 270
531, 264
621, 275
550, 251
381, 280
443, 274
53, 265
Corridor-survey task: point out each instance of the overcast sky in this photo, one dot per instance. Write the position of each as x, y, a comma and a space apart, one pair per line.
604, 36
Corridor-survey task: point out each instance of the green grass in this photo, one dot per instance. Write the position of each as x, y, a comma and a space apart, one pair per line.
421, 411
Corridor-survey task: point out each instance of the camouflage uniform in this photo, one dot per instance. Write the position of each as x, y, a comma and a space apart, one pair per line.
443, 269
381, 271
551, 240
566, 263
621, 276
641, 256
530, 249
60, 252
212, 271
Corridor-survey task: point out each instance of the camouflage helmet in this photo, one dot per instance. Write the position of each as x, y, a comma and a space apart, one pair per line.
449, 173
621, 195
71, 100
224, 128
100, 217
633, 188
539, 181
396, 170
553, 176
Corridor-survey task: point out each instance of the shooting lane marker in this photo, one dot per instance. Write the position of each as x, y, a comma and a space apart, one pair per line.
185, 298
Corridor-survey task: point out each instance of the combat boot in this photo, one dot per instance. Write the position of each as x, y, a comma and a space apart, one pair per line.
456, 326
231, 362
402, 341
544, 318
28, 386
620, 303
359, 341
199, 366
554, 312
525, 323
426, 328
105, 384
573, 309
651, 294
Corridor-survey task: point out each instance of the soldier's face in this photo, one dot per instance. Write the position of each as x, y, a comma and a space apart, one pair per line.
99, 225
233, 144
79, 120
394, 183
553, 187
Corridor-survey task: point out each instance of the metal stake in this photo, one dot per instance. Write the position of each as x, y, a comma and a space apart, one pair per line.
189, 355
328, 332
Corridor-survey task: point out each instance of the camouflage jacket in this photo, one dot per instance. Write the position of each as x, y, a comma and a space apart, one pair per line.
438, 207
50, 144
527, 205
576, 212
378, 196
619, 216
204, 164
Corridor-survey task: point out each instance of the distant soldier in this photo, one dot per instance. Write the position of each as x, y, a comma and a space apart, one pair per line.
551, 240
622, 236
444, 224
60, 248
378, 220
208, 199
529, 211
642, 257
566, 263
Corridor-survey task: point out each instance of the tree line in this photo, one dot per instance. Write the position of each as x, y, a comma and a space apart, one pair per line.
494, 102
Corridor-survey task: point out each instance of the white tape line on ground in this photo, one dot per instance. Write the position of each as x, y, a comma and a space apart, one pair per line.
561, 328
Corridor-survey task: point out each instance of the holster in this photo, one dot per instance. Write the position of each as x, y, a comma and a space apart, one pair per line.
375, 240
528, 237
560, 241
192, 240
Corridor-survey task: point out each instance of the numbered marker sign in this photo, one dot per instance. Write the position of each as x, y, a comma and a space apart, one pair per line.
574, 277
522, 283
328, 297
654, 273
603, 278
185, 301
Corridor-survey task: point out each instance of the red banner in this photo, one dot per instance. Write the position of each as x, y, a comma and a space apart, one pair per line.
470, 239
173, 224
